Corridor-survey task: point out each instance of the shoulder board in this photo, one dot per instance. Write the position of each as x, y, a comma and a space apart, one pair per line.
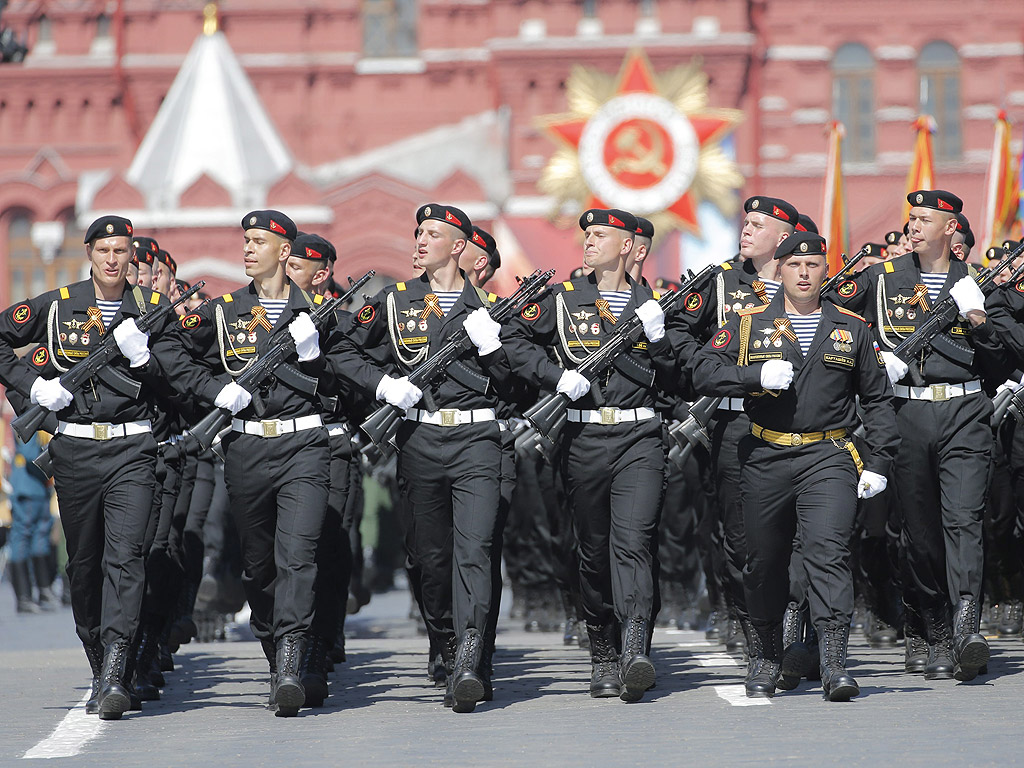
971, 270
155, 298
568, 285
752, 310
725, 265
656, 294
64, 293
318, 298
889, 266
227, 297
492, 297
399, 286
851, 314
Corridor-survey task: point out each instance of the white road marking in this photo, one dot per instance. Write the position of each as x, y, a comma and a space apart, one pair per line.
69, 737
737, 696
715, 660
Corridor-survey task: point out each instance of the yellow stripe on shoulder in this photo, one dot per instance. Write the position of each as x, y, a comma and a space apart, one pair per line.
888, 267
64, 293
568, 285
155, 298
399, 286
725, 265
851, 314
656, 294
752, 310
492, 297
227, 297
318, 298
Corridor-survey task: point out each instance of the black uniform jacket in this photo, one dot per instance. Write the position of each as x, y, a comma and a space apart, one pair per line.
62, 333
401, 327
841, 365
230, 332
567, 318
885, 294
1005, 308
733, 286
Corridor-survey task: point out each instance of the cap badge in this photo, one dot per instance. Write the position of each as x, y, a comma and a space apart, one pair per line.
803, 247
252, 220
755, 204
919, 198
426, 211
110, 228
590, 217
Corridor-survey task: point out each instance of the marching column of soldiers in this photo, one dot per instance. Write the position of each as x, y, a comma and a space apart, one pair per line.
807, 448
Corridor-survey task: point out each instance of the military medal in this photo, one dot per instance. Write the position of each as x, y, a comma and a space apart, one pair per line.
782, 328
778, 342
73, 337
411, 325
85, 339
240, 337
757, 343
422, 325
63, 336
595, 328
899, 312
259, 317
583, 327
252, 337
95, 320
737, 306
604, 310
920, 297
911, 314
431, 306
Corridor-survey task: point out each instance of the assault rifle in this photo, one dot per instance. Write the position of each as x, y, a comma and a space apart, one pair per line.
382, 425
98, 364
271, 364
549, 411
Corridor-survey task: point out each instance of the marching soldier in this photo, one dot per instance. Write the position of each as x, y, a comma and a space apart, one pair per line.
799, 366
103, 452
276, 467
145, 249
480, 260
942, 466
613, 457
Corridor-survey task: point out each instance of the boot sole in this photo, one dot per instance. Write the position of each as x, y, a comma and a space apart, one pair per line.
468, 690
638, 677
113, 705
289, 696
842, 693
760, 694
605, 693
972, 658
944, 675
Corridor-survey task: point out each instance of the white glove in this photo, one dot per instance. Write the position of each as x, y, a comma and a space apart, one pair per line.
483, 331
307, 338
653, 317
895, 368
133, 343
398, 392
967, 295
233, 398
871, 484
50, 394
573, 384
776, 374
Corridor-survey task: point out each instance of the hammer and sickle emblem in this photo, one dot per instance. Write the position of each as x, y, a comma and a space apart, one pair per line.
638, 158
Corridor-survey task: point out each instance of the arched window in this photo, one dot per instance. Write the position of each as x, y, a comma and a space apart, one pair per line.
853, 100
389, 28
939, 69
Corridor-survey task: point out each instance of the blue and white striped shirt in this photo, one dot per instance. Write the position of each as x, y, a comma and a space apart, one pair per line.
934, 281
274, 309
108, 309
447, 299
771, 287
805, 326
617, 301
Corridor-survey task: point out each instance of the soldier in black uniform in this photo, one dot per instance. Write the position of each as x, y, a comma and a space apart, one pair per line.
276, 467
942, 467
450, 446
103, 451
613, 457
145, 249
799, 366
481, 259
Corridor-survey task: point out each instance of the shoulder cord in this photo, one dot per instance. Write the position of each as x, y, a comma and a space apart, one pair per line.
51, 325
720, 296
398, 344
559, 323
222, 333
883, 317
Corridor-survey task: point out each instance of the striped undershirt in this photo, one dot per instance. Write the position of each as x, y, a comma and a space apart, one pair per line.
934, 281
805, 326
108, 309
447, 299
617, 301
770, 288
274, 309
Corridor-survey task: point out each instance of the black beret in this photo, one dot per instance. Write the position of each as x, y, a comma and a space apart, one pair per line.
644, 228
314, 248
108, 226
147, 244
165, 257
805, 223
891, 238
1009, 245
964, 226
271, 221
141, 254
447, 214
939, 199
874, 249
774, 207
906, 229
995, 253
612, 217
801, 244
183, 285
483, 240
664, 284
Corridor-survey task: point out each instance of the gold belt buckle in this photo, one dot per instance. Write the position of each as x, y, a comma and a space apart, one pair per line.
940, 392
448, 417
796, 439
270, 428
100, 431
609, 415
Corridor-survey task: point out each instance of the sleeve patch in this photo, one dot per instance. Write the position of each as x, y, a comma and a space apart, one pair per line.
847, 289
1020, 287
40, 357
693, 302
878, 354
366, 314
530, 312
722, 339
191, 322
21, 313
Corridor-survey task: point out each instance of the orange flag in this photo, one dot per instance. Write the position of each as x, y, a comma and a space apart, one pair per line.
834, 221
1001, 188
922, 168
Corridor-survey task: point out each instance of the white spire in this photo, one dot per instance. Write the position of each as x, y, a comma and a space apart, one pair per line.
211, 122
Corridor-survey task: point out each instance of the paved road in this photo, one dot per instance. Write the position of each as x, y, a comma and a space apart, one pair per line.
381, 710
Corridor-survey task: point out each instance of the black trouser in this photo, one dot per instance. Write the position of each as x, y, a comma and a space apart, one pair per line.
727, 430
508, 485
812, 487
941, 476
278, 492
529, 547
163, 565
198, 500
106, 491
614, 477
449, 478
334, 551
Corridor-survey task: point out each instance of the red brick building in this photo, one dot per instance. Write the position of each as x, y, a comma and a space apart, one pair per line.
348, 114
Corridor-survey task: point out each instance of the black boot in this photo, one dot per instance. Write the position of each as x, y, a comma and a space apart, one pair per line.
21, 580
1012, 619
836, 683
144, 659
114, 698
970, 648
735, 640
764, 667
940, 644
314, 672
635, 668
467, 685
45, 573
916, 650
795, 656
94, 652
487, 669
604, 675
448, 648
880, 634
128, 679
289, 694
